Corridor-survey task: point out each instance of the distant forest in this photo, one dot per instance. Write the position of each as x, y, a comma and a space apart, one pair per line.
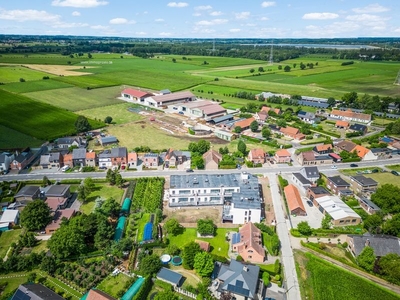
387, 49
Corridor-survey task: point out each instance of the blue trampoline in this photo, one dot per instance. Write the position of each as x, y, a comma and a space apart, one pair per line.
148, 232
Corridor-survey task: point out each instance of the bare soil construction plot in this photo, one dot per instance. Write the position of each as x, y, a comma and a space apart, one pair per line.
55, 69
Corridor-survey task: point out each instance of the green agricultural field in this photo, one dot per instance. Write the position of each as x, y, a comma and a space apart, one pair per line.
87, 81
103, 191
14, 139
6, 239
46, 59
213, 61
34, 86
36, 119
75, 99
321, 280
119, 112
15, 73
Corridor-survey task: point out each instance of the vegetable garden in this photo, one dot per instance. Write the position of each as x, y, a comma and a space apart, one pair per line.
148, 194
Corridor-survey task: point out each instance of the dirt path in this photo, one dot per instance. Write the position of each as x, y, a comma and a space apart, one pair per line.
269, 207
59, 70
382, 282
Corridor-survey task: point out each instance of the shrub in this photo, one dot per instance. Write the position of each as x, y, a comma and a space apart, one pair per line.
265, 278
239, 258
322, 246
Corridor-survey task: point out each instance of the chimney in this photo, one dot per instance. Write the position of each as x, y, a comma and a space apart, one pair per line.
245, 268
367, 243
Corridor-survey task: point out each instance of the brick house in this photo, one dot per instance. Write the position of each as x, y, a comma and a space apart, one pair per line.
248, 243
68, 160
91, 159
337, 184
316, 192
282, 156
293, 199
151, 160
342, 124
257, 156
309, 158
361, 184
211, 159
292, 132
323, 149
132, 160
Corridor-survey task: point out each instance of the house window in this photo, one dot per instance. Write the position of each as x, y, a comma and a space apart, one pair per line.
249, 212
354, 220
245, 213
250, 251
250, 257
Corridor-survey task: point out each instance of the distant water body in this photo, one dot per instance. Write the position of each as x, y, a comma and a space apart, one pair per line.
328, 46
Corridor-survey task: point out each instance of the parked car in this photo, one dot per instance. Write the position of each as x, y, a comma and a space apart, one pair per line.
333, 167
310, 204
353, 165
375, 171
181, 112
395, 173
189, 170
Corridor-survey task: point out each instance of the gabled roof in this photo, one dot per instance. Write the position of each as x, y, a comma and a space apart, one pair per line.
170, 276
257, 153
293, 198
132, 156
173, 96
58, 190
109, 139
364, 181
346, 145
35, 291
282, 153
79, 153
90, 155
341, 123
244, 123
250, 236
213, 109
262, 115
382, 244
311, 172
212, 155
267, 109
68, 140
119, 152
361, 151
9, 216
308, 156
339, 181
290, 130
239, 278
350, 114
98, 295
68, 157
135, 93
320, 148
28, 191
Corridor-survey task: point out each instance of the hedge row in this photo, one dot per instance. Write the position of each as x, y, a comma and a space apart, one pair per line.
145, 289
326, 132
355, 159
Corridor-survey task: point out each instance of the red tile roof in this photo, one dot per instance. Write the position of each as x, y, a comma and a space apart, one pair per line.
324, 147
244, 123
132, 156
290, 130
90, 155
282, 152
135, 93
251, 237
205, 246
351, 114
293, 198
98, 295
341, 123
257, 153
361, 151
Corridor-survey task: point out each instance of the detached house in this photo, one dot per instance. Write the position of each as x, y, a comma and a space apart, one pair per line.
282, 156
342, 124
363, 129
211, 159
309, 158
5, 161
323, 149
243, 124
27, 193
268, 109
382, 244
345, 146
256, 156
248, 243
293, 199
306, 117
311, 173
173, 158
292, 132
67, 142
261, 117
361, 184
135, 95
364, 153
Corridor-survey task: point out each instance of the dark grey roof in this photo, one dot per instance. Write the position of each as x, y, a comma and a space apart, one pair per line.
23, 156
301, 178
35, 291
165, 91
119, 152
170, 276
314, 99
28, 191
79, 153
150, 155
311, 172
306, 115
109, 140
57, 190
381, 150
68, 140
346, 192
3, 157
238, 278
323, 157
364, 181
370, 203
339, 181
319, 190
382, 244
54, 156
313, 104
222, 119
358, 127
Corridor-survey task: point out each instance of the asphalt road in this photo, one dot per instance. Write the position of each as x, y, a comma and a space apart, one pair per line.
275, 169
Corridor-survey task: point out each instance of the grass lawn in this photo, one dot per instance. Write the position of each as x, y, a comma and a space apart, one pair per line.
7, 238
113, 284
57, 284
232, 146
394, 167
313, 141
13, 280
14, 73
34, 86
381, 178
41, 246
103, 191
119, 112
268, 268
267, 241
11, 138
321, 280
140, 225
219, 245
75, 99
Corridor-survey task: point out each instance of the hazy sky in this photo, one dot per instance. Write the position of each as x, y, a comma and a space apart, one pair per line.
202, 18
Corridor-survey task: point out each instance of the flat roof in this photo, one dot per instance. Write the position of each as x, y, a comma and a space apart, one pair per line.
173, 97
336, 208
338, 181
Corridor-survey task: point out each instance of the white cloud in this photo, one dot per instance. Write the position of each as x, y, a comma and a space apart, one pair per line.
268, 4
99, 27
320, 16
165, 34
120, 21
216, 13
69, 25
372, 8
242, 15
203, 7
212, 22
250, 24
177, 4
79, 3
28, 15
365, 18
76, 14
141, 33
397, 30
196, 14
264, 19
234, 30
159, 20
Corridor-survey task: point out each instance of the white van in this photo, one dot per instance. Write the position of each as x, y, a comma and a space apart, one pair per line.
65, 168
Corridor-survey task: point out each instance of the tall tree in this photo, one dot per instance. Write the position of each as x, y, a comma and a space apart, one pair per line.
304, 228
189, 252
242, 148
173, 227
366, 259
331, 101
254, 126
203, 264
36, 215
110, 208
150, 264
266, 132
206, 227
166, 295
82, 124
